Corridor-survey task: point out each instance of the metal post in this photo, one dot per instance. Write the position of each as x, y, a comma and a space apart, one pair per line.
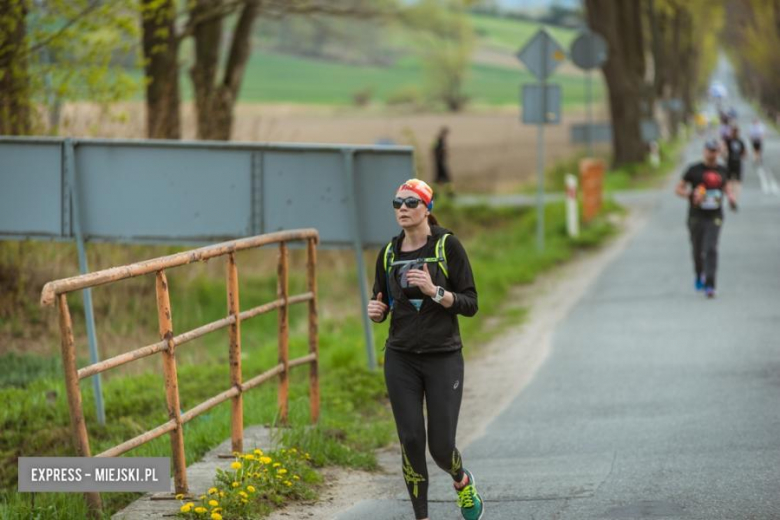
234, 309
349, 156
540, 158
589, 110
78, 425
89, 315
284, 329
165, 320
314, 383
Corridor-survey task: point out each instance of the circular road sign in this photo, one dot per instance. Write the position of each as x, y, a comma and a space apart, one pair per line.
589, 51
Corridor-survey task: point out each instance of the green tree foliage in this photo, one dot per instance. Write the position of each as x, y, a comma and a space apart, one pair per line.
53, 51
753, 32
446, 42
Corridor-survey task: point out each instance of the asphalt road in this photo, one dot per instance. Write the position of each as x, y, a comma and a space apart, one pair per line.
654, 402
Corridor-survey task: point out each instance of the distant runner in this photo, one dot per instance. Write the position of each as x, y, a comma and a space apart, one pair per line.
756, 135
735, 152
704, 185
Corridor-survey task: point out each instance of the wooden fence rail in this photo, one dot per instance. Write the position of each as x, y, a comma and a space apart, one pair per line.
57, 291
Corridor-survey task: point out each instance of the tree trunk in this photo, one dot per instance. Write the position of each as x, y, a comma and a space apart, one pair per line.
214, 103
15, 100
619, 22
161, 49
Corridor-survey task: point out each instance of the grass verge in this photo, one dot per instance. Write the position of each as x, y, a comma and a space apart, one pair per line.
355, 416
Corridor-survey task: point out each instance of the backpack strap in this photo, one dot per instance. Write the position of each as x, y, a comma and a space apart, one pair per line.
441, 253
440, 258
389, 257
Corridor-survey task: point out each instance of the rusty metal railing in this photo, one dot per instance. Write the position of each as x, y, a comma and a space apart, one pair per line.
57, 291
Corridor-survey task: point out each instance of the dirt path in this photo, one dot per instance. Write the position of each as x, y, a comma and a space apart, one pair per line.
495, 373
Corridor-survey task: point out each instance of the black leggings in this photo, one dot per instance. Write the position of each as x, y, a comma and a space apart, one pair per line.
438, 378
704, 241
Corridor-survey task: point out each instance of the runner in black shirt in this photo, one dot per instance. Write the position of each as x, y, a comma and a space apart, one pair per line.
704, 184
736, 150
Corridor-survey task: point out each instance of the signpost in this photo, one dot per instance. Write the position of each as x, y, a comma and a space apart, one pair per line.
589, 51
541, 105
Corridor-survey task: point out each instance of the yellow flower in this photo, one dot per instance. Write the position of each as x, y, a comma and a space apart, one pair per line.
212, 491
243, 494
296, 477
244, 501
234, 484
265, 460
293, 450
186, 508
200, 510
179, 496
251, 489
258, 452
277, 464
222, 494
307, 455
236, 454
256, 474
281, 471
202, 497
216, 516
249, 456
235, 465
213, 503
216, 510
287, 483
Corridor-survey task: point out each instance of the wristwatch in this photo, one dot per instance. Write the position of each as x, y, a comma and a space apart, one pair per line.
439, 296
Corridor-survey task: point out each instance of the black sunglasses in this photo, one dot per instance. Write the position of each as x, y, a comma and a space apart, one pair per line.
411, 202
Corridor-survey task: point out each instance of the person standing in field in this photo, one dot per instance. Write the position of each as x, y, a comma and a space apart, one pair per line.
705, 184
423, 282
440, 150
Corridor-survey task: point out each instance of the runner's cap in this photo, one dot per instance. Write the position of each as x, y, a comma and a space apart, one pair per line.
711, 144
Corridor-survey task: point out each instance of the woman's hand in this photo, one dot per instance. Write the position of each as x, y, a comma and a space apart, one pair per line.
422, 279
377, 309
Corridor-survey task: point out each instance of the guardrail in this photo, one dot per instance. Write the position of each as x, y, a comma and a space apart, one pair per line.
58, 290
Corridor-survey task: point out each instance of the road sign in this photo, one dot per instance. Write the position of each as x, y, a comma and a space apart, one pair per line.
599, 133
542, 55
540, 108
588, 51
649, 130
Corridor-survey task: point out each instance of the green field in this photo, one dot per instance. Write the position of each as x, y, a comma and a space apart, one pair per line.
283, 78
511, 35
272, 78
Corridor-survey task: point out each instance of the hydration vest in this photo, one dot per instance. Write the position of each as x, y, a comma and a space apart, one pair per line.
440, 258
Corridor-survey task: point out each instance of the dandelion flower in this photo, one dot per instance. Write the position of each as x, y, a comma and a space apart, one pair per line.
180, 496
216, 516
234, 484
265, 460
249, 456
200, 510
277, 464
281, 471
213, 503
243, 494
202, 497
212, 491
251, 489
258, 452
296, 477
186, 508
287, 483
235, 465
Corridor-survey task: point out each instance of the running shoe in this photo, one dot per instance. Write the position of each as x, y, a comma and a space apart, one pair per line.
699, 283
710, 292
469, 501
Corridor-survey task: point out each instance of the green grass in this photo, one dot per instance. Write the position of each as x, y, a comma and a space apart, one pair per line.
355, 416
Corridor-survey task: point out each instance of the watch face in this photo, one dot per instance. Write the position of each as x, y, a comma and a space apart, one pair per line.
440, 292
